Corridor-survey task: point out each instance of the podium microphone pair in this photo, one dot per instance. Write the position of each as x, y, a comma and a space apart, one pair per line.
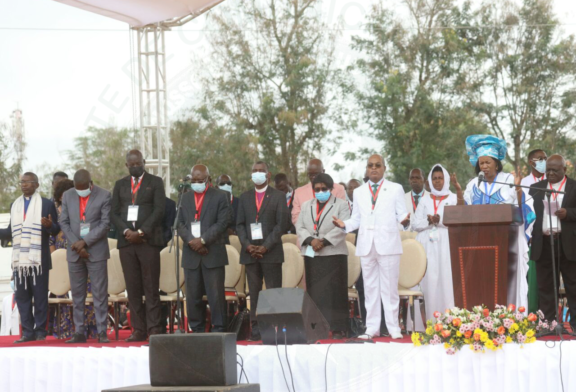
480, 177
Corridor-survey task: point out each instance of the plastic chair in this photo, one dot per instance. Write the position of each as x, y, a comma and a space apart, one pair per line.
112, 243
168, 282
235, 242
116, 287
293, 266
59, 283
290, 239
354, 270
408, 235
351, 238
412, 269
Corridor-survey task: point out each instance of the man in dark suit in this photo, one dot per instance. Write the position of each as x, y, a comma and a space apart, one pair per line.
203, 221
563, 233
224, 183
169, 218
262, 219
138, 205
283, 185
31, 209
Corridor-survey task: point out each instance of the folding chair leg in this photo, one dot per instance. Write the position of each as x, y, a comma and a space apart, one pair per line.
412, 314
58, 320
404, 312
423, 310
171, 318
116, 319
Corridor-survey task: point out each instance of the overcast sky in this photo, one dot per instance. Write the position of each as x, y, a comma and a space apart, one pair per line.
68, 69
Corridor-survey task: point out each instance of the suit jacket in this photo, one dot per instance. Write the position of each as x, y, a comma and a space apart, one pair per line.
169, 218
291, 228
337, 238
410, 207
214, 220
305, 193
568, 225
389, 210
273, 216
151, 201
97, 213
48, 208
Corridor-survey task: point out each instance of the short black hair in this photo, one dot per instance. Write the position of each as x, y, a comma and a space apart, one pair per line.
61, 187
437, 169
280, 177
262, 163
30, 174
59, 174
534, 152
499, 166
323, 178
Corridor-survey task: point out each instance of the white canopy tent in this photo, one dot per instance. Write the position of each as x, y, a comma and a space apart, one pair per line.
150, 18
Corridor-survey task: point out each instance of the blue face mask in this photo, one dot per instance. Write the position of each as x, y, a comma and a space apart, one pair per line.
12, 285
541, 166
259, 178
226, 187
323, 197
84, 193
198, 188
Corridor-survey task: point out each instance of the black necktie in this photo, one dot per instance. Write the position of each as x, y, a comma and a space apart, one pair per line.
416, 200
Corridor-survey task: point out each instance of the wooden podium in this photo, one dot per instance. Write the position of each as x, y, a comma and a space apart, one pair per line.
484, 252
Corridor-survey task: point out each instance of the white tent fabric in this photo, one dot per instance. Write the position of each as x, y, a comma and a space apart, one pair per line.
139, 13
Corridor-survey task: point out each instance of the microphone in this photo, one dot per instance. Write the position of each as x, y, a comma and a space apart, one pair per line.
186, 179
480, 177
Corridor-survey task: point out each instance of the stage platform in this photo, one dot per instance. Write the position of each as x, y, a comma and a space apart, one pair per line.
53, 366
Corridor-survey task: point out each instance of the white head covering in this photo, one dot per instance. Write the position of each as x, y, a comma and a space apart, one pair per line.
446, 189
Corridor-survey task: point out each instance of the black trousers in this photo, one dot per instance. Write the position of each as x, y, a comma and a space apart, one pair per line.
327, 285
271, 273
141, 266
28, 288
210, 281
546, 280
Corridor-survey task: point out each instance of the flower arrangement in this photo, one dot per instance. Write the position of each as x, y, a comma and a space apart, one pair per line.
481, 329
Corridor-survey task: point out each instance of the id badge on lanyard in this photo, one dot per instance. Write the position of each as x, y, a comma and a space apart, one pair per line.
196, 232
256, 231
371, 221
434, 235
84, 229
132, 213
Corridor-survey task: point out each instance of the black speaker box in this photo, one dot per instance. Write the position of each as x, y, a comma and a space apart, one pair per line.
294, 310
149, 388
196, 359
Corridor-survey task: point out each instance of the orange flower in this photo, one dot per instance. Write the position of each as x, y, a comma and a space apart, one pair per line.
456, 322
521, 309
467, 334
495, 342
501, 330
486, 312
477, 336
532, 317
445, 333
502, 316
438, 327
436, 314
511, 307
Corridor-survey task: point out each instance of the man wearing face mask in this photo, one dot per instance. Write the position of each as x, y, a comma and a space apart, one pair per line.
85, 221
203, 220
138, 207
224, 183
262, 219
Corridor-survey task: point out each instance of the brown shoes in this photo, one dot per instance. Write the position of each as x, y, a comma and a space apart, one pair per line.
137, 337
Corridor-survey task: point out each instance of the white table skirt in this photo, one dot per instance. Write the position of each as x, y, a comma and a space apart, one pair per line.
351, 367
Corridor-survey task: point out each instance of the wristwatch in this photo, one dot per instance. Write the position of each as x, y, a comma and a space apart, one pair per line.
140, 233
202, 241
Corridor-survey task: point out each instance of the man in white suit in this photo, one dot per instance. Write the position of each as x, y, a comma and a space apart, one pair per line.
417, 192
378, 208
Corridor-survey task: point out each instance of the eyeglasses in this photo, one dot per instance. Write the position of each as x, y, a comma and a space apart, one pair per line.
225, 183
323, 189
539, 159
26, 182
377, 165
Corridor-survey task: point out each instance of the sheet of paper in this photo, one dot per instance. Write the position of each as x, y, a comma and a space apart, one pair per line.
309, 251
554, 206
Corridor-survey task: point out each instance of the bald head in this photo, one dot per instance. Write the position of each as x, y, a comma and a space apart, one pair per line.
555, 168
375, 168
200, 173
315, 167
82, 179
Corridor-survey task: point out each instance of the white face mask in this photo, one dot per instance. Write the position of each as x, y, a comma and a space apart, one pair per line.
259, 178
540, 166
198, 188
84, 193
226, 187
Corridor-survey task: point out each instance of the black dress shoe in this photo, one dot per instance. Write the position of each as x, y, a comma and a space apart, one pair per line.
103, 337
40, 337
136, 337
25, 339
255, 337
77, 338
338, 335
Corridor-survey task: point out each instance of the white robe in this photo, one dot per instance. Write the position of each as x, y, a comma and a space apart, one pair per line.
504, 194
437, 283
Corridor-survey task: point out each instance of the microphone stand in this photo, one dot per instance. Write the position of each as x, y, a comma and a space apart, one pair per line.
559, 328
176, 238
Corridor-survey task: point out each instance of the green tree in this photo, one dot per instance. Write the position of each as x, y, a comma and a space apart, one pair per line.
415, 77
10, 170
270, 72
102, 151
529, 97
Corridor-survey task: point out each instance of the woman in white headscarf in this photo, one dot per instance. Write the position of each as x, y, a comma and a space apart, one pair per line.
433, 235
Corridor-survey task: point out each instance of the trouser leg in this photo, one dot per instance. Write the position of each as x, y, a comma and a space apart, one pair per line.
78, 272
195, 307
98, 272
370, 274
214, 284
389, 271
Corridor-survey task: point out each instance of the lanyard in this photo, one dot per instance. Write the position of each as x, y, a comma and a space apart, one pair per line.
488, 194
290, 201
375, 196
439, 202
83, 203
317, 221
135, 190
199, 200
538, 179
259, 204
555, 195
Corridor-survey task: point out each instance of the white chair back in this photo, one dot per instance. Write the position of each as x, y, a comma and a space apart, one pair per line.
412, 263
235, 242
233, 270
112, 243
354, 267
58, 278
408, 235
351, 238
290, 239
116, 282
168, 271
293, 266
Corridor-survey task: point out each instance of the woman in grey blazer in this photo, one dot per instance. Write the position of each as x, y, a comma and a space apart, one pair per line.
325, 253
